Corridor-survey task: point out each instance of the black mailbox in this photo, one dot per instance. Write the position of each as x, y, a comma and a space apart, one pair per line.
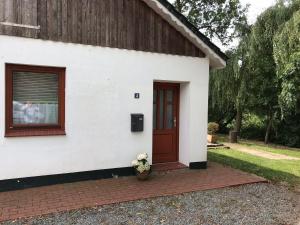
137, 122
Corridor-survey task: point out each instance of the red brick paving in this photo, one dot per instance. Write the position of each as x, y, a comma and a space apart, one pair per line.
57, 198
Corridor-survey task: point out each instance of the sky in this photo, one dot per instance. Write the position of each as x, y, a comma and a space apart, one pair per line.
256, 8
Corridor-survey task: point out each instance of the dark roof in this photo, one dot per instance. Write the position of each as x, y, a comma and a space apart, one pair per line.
195, 30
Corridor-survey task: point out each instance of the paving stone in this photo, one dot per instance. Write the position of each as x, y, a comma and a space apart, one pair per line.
64, 197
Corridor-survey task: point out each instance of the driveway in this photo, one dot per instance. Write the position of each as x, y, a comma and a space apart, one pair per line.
66, 197
254, 204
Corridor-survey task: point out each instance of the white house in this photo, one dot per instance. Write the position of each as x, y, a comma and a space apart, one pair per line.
72, 73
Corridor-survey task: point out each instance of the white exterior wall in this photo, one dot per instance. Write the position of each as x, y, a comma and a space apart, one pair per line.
100, 87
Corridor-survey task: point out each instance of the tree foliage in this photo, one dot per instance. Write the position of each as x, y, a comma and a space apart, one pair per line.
287, 57
229, 87
262, 65
261, 60
223, 91
221, 19
224, 83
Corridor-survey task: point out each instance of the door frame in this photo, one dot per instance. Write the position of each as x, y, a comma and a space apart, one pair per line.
177, 86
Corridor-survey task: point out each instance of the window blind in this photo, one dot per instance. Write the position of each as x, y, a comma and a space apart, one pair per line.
35, 88
35, 98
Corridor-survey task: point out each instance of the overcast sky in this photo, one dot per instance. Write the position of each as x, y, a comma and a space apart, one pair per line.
256, 7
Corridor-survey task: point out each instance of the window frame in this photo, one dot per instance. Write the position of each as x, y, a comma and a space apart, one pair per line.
22, 130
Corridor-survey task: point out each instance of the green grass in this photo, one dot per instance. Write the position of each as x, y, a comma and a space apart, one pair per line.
287, 171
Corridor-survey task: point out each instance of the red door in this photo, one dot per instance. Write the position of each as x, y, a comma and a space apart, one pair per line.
165, 122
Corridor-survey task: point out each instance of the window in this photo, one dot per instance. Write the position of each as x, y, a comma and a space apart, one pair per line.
35, 100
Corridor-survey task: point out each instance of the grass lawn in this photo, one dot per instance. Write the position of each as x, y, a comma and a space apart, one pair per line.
287, 171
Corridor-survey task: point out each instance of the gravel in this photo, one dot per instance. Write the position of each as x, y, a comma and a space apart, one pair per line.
261, 204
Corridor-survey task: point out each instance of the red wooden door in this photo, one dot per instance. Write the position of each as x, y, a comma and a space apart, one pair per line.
165, 122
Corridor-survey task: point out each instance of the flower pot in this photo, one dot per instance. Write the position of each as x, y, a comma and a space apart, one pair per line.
143, 176
212, 138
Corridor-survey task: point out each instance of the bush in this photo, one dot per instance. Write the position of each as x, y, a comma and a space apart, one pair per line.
212, 128
288, 132
253, 127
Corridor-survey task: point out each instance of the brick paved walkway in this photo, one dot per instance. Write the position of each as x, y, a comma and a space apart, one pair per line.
64, 197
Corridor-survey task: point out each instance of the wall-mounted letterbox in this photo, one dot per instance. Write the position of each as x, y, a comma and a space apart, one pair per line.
137, 122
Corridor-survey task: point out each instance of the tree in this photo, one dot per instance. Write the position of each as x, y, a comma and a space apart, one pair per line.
266, 86
229, 87
222, 92
221, 19
287, 57
267, 82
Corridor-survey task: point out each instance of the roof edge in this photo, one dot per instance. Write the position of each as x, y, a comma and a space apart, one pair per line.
193, 28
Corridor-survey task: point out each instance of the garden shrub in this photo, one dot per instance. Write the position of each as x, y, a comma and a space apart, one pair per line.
253, 127
212, 128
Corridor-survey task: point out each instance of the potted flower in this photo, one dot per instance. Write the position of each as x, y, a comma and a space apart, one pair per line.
212, 129
142, 166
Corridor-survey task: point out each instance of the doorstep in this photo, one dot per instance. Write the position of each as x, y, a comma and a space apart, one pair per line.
165, 167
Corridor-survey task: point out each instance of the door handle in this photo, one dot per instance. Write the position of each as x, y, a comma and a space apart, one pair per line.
175, 122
